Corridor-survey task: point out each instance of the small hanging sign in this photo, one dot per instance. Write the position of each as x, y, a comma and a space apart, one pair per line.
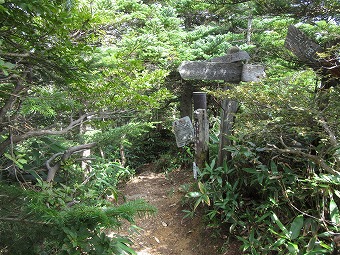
194, 170
184, 131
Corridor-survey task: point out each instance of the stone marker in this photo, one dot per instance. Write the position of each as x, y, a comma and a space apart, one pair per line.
184, 131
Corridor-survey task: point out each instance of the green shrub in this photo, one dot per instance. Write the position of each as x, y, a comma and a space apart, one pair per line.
60, 219
272, 208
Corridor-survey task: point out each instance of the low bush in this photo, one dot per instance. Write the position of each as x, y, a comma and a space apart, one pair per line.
67, 219
272, 208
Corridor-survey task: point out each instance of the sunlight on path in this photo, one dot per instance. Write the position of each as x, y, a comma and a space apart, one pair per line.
166, 233
144, 252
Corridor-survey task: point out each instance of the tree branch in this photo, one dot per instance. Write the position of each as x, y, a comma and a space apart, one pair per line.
297, 151
65, 155
332, 138
331, 134
14, 95
36, 133
15, 55
24, 220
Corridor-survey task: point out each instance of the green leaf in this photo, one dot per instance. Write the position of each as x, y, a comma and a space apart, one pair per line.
18, 162
206, 199
337, 193
273, 167
324, 245
197, 203
293, 248
279, 242
202, 187
250, 170
9, 156
194, 194
334, 212
263, 217
296, 227
311, 243
252, 235
280, 225
34, 174
126, 248
21, 160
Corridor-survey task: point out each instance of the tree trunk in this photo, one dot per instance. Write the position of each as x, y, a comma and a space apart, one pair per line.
85, 164
249, 29
122, 151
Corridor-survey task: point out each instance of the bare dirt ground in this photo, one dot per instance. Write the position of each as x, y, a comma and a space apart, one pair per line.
167, 233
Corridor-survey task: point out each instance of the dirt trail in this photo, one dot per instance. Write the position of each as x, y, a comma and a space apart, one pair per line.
167, 233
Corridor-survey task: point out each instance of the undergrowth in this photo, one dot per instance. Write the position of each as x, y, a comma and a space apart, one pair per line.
78, 218
272, 207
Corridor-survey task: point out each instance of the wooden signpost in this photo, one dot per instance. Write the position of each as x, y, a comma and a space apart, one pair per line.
201, 127
229, 68
304, 48
210, 71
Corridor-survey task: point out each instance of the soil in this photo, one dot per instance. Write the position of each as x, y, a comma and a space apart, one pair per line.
168, 232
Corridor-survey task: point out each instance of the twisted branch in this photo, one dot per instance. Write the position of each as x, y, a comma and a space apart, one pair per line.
64, 156
297, 151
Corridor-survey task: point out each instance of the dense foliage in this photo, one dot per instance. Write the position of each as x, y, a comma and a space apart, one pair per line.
68, 219
88, 91
280, 192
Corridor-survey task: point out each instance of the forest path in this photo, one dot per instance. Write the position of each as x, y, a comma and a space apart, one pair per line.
167, 233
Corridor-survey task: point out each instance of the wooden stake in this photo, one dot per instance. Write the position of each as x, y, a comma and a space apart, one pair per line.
201, 127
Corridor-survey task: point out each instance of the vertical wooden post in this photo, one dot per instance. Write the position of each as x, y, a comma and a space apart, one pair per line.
229, 109
201, 128
186, 99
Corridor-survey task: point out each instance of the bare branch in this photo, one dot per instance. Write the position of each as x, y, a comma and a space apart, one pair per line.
297, 151
15, 55
331, 134
14, 95
37, 133
332, 138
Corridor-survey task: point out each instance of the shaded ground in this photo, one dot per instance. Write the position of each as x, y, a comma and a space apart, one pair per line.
167, 233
